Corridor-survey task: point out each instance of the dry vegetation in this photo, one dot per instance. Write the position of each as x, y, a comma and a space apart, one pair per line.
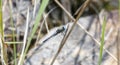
79, 44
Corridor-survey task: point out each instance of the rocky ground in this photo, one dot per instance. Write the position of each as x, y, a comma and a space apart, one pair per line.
79, 49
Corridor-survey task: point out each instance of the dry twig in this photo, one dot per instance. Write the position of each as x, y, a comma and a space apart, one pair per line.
69, 32
85, 30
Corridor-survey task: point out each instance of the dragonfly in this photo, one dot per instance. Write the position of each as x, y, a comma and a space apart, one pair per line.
59, 30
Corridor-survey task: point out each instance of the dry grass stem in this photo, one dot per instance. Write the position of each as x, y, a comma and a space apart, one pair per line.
69, 32
118, 47
85, 30
37, 39
3, 55
25, 38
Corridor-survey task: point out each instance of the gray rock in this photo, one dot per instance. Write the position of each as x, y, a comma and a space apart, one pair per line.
79, 49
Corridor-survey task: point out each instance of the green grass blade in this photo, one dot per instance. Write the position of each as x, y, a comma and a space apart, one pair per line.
2, 45
13, 33
102, 41
119, 11
41, 10
1, 21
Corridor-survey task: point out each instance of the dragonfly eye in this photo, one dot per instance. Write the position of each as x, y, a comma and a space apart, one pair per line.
60, 30
63, 28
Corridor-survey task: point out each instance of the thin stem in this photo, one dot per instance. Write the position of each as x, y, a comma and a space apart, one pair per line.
25, 38
13, 33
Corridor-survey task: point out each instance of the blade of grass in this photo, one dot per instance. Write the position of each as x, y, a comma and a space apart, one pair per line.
3, 51
117, 46
41, 25
41, 10
119, 9
13, 33
118, 36
1, 21
25, 37
102, 41
13, 42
